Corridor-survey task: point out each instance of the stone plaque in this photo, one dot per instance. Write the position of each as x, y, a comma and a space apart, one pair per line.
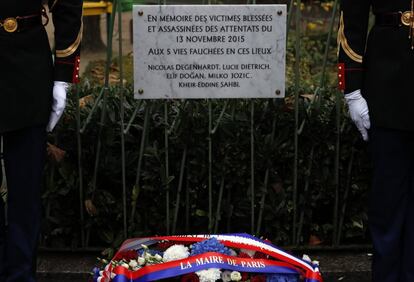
205, 51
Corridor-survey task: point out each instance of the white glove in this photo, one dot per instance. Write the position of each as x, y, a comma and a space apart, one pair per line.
358, 110
59, 103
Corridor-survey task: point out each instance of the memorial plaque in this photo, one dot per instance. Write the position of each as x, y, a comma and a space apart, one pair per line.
200, 51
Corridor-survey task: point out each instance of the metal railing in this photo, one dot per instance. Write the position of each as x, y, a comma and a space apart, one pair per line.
256, 220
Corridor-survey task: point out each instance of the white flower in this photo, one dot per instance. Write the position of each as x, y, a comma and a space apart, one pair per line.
209, 275
175, 252
124, 264
103, 279
133, 263
235, 276
306, 258
104, 261
158, 257
226, 276
233, 253
141, 261
249, 252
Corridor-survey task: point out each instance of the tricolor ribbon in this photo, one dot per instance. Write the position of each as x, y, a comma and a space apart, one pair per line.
284, 263
200, 262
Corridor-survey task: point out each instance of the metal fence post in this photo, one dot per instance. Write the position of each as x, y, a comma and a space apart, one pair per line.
252, 152
167, 170
210, 167
296, 133
80, 168
337, 159
122, 114
144, 133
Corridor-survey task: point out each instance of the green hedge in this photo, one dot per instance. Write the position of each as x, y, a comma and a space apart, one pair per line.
231, 155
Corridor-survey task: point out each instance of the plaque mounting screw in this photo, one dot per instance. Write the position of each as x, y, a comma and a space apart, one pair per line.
279, 13
140, 13
277, 92
141, 91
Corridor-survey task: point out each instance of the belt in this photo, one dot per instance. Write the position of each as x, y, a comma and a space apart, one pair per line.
396, 19
21, 23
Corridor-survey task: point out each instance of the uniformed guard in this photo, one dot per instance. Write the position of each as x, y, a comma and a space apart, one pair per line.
32, 99
376, 73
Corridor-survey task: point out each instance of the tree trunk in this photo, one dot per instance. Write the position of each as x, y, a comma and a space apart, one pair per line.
92, 40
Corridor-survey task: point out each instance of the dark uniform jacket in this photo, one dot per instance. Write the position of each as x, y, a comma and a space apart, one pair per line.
381, 63
27, 69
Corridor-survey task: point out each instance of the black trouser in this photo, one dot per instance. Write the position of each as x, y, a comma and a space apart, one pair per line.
391, 211
24, 157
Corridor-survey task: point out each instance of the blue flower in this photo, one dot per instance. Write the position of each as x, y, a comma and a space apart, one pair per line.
282, 278
210, 245
95, 271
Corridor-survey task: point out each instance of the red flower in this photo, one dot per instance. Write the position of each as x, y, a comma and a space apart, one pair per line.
245, 276
259, 255
191, 277
163, 245
243, 255
258, 278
